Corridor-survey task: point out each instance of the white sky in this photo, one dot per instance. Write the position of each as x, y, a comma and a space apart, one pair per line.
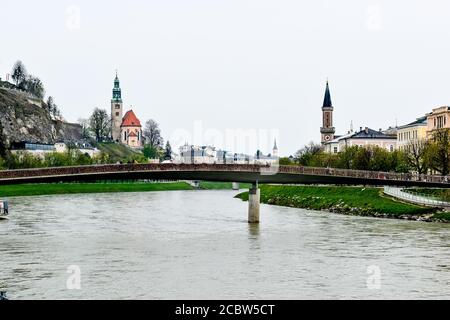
237, 63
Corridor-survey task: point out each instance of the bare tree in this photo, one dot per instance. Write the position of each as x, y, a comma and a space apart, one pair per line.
19, 73
100, 124
416, 155
152, 134
85, 131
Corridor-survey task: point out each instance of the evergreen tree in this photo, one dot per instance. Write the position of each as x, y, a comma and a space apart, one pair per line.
19, 73
168, 152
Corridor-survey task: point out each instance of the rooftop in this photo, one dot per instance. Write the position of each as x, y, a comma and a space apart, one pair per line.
130, 120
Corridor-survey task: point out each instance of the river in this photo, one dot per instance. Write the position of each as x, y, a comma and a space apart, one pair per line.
198, 245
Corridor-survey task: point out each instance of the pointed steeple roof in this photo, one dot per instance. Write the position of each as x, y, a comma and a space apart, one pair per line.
327, 98
275, 145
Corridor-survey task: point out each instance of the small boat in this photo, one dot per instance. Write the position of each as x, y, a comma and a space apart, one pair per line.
4, 209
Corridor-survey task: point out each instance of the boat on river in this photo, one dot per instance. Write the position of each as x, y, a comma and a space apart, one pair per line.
4, 209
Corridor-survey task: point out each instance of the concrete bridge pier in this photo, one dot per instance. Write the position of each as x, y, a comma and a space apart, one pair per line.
254, 195
235, 186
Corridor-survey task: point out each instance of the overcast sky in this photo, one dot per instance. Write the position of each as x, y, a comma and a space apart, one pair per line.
256, 65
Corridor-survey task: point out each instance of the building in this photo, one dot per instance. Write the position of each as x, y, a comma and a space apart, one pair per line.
125, 129
363, 138
209, 155
438, 118
116, 110
197, 154
84, 148
41, 149
131, 130
36, 149
270, 159
412, 132
275, 149
327, 130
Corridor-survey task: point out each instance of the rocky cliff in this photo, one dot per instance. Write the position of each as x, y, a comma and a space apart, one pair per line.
24, 120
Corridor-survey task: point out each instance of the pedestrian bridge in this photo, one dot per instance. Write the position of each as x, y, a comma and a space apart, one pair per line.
222, 172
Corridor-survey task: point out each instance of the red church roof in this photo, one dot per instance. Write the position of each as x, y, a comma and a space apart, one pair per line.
130, 120
132, 134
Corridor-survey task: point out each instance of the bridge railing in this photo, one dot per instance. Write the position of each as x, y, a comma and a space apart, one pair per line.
419, 199
117, 168
378, 175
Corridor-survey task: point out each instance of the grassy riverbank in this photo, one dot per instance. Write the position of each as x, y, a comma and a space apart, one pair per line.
345, 200
212, 185
71, 188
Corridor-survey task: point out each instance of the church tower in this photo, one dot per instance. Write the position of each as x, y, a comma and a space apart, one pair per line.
275, 149
327, 130
116, 110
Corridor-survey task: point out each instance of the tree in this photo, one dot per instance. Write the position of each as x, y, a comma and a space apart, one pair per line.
85, 131
150, 152
3, 148
305, 155
416, 155
100, 124
362, 159
168, 151
438, 152
19, 73
152, 134
284, 161
50, 103
346, 157
34, 86
53, 108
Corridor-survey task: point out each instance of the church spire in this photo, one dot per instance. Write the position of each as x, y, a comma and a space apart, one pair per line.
327, 99
117, 92
275, 149
327, 129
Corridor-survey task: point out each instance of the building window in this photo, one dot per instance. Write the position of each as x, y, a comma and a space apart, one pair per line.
335, 150
117, 106
391, 148
124, 135
117, 114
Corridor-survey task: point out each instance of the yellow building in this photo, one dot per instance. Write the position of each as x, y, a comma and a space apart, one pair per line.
437, 119
412, 132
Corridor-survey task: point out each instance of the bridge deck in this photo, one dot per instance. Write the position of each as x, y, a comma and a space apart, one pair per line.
219, 172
